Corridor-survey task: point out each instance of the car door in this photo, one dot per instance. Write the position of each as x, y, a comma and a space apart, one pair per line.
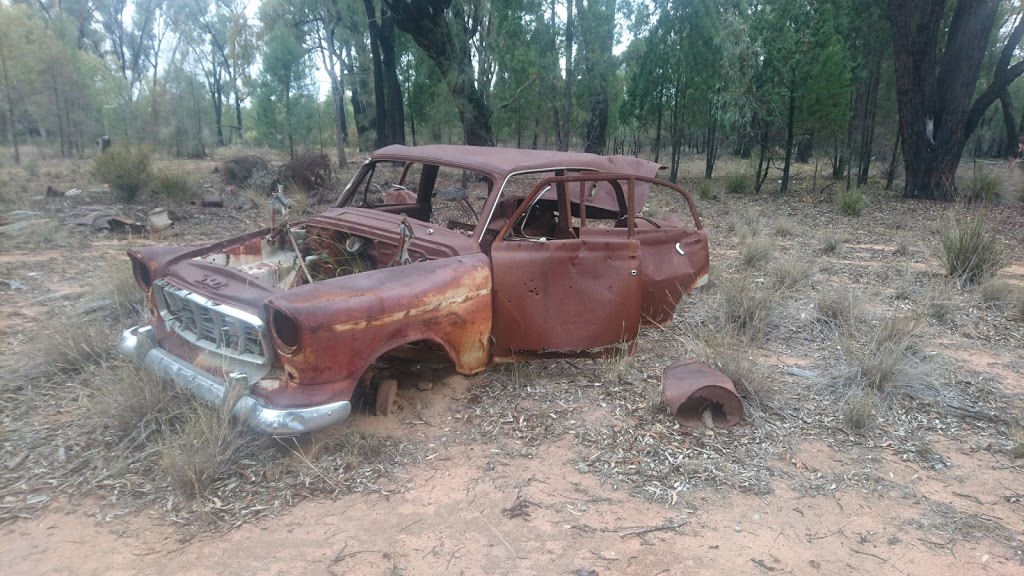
566, 290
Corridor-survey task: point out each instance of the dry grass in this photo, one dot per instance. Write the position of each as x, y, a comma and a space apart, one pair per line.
998, 291
969, 250
791, 271
748, 308
202, 449
128, 400
851, 202
860, 410
883, 357
756, 251
839, 308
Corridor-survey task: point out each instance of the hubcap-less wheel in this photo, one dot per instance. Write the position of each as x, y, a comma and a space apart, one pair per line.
386, 394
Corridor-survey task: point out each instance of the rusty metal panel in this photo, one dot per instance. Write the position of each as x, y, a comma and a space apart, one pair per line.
346, 323
691, 388
565, 295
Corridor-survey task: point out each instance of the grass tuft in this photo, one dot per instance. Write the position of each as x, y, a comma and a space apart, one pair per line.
748, 308
174, 187
756, 251
791, 271
739, 183
201, 449
983, 187
851, 202
705, 190
969, 250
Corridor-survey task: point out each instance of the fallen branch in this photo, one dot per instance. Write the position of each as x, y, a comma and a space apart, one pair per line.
673, 525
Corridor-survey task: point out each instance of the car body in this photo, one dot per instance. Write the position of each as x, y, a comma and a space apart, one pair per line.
465, 254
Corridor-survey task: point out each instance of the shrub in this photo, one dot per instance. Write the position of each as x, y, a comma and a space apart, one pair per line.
838, 308
705, 191
984, 187
125, 170
205, 447
830, 245
172, 186
859, 410
738, 184
968, 250
851, 202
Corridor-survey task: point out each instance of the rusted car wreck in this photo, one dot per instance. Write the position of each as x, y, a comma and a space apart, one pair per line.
471, 255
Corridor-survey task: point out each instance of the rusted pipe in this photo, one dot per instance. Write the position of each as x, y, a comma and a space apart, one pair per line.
690, 388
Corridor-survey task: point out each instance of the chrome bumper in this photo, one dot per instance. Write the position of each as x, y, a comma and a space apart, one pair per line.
139, 343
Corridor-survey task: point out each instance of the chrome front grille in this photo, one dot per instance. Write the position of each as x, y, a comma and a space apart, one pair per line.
217, 327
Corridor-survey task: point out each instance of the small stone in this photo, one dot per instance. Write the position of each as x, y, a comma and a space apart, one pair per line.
583, 468
738, 528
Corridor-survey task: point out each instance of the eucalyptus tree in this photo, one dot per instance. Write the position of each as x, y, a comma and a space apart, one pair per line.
445, 31
283, 85
939, 50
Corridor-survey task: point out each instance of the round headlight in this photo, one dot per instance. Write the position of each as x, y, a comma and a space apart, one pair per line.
141, 272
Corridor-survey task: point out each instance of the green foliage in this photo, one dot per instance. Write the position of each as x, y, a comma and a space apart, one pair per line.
127, 170
969, 250
851, 202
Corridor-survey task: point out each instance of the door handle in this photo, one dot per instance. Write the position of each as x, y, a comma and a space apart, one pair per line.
680, 249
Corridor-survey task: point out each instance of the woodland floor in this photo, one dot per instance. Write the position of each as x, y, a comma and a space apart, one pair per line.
552, 467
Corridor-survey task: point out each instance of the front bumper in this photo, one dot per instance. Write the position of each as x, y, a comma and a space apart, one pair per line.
140, 344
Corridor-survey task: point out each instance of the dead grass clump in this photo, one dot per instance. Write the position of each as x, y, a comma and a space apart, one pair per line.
885, 359
748, 308
969, 249
202, 448
859, 410
831, 244
756, 251
66, 347
838, 308
940, 303
983, 187
746, 222
998, 291
727, 354
790, 272
614, 367
129, 399
785, 228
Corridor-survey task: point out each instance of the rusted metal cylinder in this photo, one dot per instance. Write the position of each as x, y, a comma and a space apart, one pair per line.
690, 387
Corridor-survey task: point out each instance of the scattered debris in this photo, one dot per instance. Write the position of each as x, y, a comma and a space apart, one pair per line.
212, 200
521, 507
52, 192
159, 220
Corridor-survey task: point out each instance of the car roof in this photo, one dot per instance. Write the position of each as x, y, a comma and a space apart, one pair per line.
504, 161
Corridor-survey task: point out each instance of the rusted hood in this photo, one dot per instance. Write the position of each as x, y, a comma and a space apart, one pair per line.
222, 284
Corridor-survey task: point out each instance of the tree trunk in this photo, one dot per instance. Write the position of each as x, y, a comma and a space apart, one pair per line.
379, 99
566, 125
426, 22
395, 118
935, 88
1012, 136
360, 86
10, 105
890, 174
867, 133
712, 143
790, 123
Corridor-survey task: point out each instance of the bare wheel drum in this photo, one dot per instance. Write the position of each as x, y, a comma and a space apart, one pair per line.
386, 394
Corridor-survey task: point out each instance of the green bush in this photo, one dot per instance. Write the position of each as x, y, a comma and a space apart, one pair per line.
126, 170
172, 186
738, 184
968, 250
852, 202
705, 191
